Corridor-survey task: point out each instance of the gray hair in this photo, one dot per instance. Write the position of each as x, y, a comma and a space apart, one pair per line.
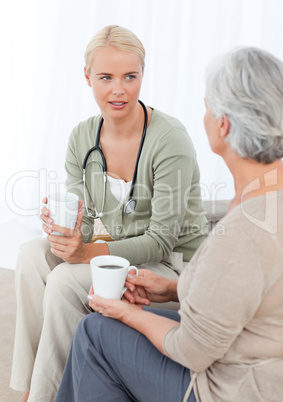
246, 85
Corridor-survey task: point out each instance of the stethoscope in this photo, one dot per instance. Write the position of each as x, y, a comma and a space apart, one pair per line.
131, 203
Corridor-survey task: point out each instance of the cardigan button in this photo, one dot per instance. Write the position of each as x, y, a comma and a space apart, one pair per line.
118, 228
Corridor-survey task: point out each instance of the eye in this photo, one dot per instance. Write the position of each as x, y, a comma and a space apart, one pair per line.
106, 78
130, 77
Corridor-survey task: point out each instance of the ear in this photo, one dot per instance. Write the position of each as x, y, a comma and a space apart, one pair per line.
87, 78
224, 127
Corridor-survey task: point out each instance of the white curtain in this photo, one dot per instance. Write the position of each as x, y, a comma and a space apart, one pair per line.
44, 95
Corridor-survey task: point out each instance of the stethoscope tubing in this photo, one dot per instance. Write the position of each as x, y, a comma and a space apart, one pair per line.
131, 203
96, 148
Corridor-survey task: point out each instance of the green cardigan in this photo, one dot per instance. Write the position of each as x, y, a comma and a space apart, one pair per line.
169, 213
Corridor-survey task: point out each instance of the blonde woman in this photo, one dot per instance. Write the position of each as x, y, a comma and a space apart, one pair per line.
133, 167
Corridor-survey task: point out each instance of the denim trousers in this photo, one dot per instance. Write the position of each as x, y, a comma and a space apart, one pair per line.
109, 361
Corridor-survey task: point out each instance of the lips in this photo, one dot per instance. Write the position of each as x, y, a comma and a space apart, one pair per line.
118, 103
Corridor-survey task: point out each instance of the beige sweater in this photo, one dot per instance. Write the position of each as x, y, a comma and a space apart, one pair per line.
231, 295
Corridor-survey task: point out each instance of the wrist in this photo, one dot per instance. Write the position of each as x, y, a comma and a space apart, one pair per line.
131, 316
91, 250
85, 254
172, 289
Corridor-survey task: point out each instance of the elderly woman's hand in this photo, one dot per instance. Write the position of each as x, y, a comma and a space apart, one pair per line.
117, 309
150, 287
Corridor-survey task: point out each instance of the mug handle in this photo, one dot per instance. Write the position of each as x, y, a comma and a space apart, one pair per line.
129, 269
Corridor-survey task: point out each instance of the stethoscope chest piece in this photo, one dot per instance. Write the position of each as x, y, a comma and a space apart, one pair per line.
130, 206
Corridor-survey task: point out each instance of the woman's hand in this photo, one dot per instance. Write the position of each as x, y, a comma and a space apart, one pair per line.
153, 326
46, 220
70, 246
150, 287
117, 309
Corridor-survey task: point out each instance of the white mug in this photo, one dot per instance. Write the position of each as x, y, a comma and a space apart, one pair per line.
109, 274
63, 209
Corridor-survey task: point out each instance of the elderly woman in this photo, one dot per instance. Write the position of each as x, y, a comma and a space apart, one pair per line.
226, 342
149, 203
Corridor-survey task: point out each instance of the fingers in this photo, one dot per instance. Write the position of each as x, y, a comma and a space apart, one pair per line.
94, 302
140, 306
91, 291
80, 207
130, 286
58, 253
145, 273
142, 300
135, 298
98, 303
128, 295
45, 211
66, 232
80, 216
47, 221
143, 279
56, 239
63, 230
49, 227
133, 272
69, 246
59, 245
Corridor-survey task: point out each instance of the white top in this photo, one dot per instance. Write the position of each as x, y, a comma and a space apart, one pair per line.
119, 188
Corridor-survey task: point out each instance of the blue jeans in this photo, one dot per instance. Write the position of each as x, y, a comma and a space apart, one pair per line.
109, 361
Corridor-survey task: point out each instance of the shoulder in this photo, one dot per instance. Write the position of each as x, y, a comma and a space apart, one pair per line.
252, 230
167, 122
82, 138
242, 249
166, 131
257, 216
86, 128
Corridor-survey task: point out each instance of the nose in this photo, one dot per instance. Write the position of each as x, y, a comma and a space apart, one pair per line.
118, 89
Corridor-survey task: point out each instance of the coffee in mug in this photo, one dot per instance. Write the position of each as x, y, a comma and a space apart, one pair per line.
109, 275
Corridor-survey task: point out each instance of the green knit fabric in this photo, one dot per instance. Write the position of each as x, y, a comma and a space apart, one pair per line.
169, 213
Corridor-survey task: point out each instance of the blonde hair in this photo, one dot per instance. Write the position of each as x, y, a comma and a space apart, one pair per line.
118, 37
